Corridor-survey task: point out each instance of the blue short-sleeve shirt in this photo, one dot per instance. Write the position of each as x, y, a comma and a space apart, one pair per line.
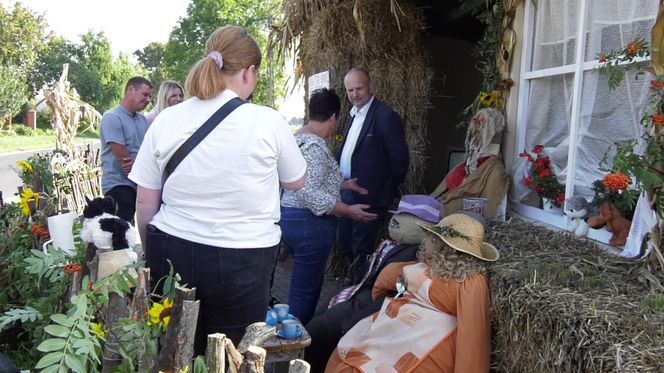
121, 127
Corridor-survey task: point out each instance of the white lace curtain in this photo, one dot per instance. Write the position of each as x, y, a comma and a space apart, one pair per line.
606, 116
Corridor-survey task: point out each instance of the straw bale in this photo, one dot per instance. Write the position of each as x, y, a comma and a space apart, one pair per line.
560, 304
382, 36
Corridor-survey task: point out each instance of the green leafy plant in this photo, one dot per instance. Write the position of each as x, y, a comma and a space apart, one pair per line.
646, 166
616, 62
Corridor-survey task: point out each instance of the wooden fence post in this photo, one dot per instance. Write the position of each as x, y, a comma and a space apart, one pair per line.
254, 360
299, 366
178, 350
215, 354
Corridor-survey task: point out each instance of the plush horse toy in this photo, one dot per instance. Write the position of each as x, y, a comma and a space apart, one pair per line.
577, 209
103, 228
615, 223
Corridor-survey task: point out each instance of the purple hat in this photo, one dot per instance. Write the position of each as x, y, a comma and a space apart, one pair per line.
423, 206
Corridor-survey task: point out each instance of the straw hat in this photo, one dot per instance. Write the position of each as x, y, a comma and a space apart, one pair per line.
465, 234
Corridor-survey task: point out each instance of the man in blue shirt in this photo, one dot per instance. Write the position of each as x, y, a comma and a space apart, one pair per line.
121, 133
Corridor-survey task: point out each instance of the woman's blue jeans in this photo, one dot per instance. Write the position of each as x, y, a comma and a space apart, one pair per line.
309, 238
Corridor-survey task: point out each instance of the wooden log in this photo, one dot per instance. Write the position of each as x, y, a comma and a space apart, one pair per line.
254, 360
140, 305
299, 366
256, 334
75, 285
235, 358
215, 353
117, 308
179, 343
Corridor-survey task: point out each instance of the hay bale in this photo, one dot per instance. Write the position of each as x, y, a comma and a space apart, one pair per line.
381, 36
560, 304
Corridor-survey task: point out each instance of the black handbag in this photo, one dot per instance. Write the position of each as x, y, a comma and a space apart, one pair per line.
198, 136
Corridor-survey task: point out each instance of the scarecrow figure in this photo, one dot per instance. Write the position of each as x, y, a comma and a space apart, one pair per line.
482, 173
66, 111
442, 320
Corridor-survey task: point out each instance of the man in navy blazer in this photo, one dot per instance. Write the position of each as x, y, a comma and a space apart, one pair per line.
374, 151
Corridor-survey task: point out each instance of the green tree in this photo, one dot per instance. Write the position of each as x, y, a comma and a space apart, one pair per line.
151, 58
13, 91
22, 38
98, 77
187, 41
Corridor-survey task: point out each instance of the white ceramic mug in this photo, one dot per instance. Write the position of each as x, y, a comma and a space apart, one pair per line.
60, 228
291, 328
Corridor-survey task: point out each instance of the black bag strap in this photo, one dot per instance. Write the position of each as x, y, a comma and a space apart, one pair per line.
199, 135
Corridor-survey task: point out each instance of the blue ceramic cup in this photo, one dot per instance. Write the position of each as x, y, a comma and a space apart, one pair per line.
291, 328
282, 311
271, 317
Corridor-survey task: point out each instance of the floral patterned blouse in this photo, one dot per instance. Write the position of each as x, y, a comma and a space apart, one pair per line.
321, 189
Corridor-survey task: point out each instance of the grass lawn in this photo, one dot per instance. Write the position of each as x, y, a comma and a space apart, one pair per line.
10, 144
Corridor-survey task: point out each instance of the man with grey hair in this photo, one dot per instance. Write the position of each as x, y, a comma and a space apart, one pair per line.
374, 151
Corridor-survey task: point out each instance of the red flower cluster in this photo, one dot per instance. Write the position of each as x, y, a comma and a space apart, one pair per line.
633, 48
657, 119
72, 268
656, 85
39, 230
542, 179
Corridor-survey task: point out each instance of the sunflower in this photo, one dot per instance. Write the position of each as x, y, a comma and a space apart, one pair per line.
160, 313
339, 138
25, 166
98, 329
26, 195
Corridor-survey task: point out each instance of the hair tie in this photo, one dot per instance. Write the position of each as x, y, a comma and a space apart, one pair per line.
216, 56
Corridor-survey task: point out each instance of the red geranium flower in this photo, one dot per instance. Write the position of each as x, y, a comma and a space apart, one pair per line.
537, 149
656, 84
526, 155
527, 180
544, 173
602, 58
560, 199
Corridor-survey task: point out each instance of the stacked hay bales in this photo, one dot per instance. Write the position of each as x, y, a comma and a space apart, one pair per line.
560, 304
381, 36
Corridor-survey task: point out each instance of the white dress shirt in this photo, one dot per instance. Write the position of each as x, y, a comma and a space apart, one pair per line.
353, 134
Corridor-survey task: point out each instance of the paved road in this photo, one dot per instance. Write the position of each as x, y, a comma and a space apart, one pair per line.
9, 179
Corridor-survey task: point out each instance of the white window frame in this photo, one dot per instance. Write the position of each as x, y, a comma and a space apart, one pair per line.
577, 68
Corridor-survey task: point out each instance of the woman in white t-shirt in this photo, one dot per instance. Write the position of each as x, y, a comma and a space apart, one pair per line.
216, 221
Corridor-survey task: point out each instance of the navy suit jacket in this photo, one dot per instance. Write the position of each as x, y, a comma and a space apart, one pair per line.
380, 159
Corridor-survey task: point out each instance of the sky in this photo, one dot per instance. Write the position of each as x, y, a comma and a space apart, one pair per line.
128, 24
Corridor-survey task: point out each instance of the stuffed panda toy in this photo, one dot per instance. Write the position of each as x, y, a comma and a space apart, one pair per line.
103, 228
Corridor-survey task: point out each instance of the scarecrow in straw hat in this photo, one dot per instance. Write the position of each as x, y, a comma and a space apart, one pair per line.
442, 321
482, 173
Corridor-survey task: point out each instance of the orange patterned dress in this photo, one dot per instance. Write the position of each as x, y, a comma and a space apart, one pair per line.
437, 326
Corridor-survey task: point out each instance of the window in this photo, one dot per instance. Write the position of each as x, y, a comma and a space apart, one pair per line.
564, 101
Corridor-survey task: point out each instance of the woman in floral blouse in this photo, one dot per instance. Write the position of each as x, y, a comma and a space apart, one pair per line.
308, 216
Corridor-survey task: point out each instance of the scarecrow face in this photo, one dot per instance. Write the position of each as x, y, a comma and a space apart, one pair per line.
404, 229
358, 88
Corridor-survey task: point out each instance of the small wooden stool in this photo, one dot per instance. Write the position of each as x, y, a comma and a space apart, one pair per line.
281, 351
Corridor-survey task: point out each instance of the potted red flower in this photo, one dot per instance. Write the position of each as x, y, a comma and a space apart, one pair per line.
541, 178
